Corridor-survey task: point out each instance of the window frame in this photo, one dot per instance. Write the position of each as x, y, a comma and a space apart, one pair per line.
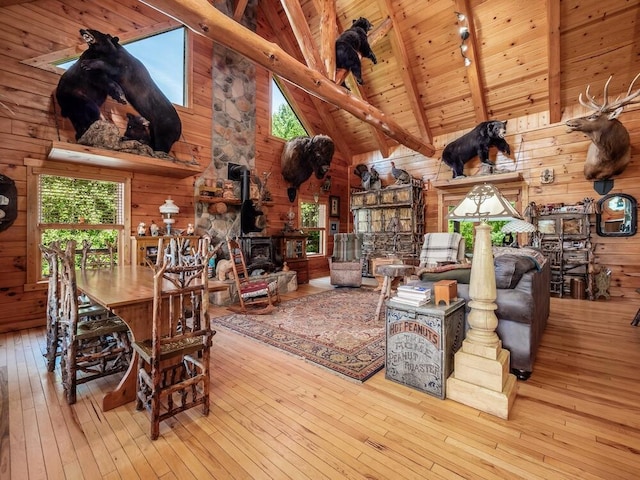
34, 265
324, 207
275, 82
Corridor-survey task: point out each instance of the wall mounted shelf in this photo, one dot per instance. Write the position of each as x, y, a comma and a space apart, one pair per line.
98, 157
493, 178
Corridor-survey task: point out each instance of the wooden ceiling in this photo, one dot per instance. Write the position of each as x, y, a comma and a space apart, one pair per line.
526, 58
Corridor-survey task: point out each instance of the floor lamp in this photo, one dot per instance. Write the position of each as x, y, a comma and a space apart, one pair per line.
481, 377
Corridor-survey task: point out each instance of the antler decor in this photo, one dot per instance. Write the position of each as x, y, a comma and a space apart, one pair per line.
610, 150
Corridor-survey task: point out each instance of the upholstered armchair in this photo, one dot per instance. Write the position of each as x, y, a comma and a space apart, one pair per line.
345, 265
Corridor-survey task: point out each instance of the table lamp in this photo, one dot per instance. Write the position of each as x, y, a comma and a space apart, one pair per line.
167, 209
518, 226
481, 377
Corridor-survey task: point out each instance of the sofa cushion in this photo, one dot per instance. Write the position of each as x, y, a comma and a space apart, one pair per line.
510, 268
461, 272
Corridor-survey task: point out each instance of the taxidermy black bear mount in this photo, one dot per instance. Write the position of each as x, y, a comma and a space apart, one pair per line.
476, 143
351, 45
304, 156
107, 68
610, 150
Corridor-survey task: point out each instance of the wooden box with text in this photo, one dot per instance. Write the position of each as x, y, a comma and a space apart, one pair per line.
421, 343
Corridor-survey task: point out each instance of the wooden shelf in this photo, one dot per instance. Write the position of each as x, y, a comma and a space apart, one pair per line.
85, 155
469, 181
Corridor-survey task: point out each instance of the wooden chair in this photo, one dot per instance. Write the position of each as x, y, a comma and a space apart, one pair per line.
93, 259
255, 295
86, 309
170, 377
90, 348
53, 306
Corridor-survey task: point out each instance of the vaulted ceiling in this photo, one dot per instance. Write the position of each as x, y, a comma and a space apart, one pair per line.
525, 58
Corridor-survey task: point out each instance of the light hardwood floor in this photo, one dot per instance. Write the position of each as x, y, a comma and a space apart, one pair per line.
274, 416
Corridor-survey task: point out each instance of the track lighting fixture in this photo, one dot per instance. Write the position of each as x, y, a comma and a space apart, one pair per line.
464, 36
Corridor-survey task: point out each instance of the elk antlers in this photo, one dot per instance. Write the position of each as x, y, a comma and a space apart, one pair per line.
617, 105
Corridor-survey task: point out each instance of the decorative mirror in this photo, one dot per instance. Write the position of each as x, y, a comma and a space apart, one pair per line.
617, 215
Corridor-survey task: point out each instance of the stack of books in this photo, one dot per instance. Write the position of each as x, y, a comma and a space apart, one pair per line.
413, 295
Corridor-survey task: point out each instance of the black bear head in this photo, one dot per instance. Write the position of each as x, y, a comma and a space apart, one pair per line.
363, 23
100, 42
495, 129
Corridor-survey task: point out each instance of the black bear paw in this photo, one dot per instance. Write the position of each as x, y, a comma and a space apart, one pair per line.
374, 59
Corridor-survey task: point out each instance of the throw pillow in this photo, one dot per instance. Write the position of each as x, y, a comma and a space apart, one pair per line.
510, 268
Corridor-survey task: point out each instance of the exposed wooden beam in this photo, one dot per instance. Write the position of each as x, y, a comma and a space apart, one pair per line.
400, 52
238, 12
553, 41
301, 31
273, 19
205, 20
328, 35
473, 71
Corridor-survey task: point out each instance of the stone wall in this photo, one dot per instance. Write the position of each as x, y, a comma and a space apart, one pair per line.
233, 128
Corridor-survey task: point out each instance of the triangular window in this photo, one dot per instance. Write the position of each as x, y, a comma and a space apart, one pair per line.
285, 123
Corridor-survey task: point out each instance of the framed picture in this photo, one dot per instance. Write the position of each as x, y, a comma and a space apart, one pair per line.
334, 206
334, 227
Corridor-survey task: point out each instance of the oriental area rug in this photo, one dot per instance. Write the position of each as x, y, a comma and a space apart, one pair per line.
333, 329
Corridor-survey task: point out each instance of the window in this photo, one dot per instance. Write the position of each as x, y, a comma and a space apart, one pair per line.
314, 223
448, 201
285, 123
160, 54
81, 207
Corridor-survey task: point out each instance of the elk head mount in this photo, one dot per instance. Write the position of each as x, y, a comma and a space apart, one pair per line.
610, 149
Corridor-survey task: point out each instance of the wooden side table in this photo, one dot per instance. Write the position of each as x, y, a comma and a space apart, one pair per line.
390, 272
378, 261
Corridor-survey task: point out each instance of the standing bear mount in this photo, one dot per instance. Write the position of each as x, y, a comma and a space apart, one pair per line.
476, 143
351, 45
304, 156
610, 150
107, 68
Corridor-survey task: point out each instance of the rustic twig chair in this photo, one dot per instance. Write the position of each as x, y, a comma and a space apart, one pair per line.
171, 378
255, 295
92, 348
53, 307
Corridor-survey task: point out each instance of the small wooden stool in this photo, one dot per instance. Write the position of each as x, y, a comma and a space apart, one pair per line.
390, 272
446, 290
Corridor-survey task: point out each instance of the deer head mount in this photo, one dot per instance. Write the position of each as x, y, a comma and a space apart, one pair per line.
610, 149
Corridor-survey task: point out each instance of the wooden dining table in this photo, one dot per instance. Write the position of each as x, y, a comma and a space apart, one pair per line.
128, 292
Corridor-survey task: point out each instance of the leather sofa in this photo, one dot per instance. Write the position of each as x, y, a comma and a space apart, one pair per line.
523, 279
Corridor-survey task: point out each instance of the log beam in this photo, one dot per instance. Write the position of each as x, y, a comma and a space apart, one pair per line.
206, 20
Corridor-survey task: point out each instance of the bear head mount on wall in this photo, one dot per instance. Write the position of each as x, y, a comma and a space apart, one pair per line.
610, 150
304, 156
476, 143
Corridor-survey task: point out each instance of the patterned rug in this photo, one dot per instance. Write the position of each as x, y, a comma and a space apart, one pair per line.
334, 329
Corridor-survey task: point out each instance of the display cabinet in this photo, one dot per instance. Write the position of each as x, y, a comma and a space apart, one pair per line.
292, 248
391, 221
143, 247
565, 239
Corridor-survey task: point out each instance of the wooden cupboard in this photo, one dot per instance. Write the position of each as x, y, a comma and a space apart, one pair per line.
391, 221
